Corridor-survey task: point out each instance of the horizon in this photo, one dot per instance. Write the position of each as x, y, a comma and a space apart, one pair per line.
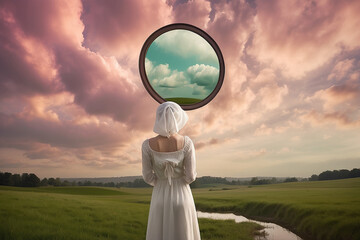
72, 102
41, 177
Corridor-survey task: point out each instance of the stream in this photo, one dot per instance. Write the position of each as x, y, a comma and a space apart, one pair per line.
272, 230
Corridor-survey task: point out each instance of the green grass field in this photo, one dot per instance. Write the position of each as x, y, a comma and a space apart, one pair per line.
180, 100
314, 210
91, 213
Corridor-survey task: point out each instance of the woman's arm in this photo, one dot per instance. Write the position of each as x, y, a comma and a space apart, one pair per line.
190, 164
147, 169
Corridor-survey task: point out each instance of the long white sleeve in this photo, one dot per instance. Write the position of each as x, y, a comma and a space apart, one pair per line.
190, 163
147, 169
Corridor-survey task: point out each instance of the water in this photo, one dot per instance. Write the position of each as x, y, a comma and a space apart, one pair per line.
273, 231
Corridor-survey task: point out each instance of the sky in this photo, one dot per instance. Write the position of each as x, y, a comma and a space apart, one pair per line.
180, 63
72, 103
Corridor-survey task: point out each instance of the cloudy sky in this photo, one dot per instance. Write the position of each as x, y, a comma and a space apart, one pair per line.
72, 103
181, 63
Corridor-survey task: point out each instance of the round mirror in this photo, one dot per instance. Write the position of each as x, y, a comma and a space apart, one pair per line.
183, 64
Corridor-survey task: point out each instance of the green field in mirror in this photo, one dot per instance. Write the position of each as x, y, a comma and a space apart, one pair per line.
182, 67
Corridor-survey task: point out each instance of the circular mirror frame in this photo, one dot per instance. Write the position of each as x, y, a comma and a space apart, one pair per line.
182, 26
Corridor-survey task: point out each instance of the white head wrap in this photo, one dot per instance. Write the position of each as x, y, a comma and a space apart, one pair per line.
170, 118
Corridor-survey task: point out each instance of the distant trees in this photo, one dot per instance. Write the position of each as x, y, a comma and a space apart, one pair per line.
336, 174
354, 173
262, 181
339, 174
327, 175
206, 180
257, 181
137, 183
293, 179
25, 180
5, 179
31, 180
314, 177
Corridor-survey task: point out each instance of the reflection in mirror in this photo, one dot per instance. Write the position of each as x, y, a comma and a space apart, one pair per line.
182, 66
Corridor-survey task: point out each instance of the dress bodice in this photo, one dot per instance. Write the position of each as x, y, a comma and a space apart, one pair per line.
168, 165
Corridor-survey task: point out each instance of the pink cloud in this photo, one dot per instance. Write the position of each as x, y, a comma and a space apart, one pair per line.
26, 65
70, 91
193, 12
100, 87
62, 24
341, 96
339, 103
99, 84
65, 89
340, 106
118, 28
65, 133
300, 36
211, 143
341, 69
265, 130
43, 153
341, 120
270, 93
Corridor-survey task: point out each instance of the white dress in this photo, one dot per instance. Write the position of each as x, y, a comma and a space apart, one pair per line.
172, 214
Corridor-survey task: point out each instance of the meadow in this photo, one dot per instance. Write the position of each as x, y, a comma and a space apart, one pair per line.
313, 210
92, 213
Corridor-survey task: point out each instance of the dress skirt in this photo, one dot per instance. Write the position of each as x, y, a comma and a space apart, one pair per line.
172, 214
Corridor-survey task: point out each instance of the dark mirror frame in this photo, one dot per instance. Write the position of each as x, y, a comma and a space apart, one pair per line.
183, 26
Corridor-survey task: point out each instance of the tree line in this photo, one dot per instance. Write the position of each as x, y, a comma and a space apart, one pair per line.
31, 180
23, 180
207, 181
336, 174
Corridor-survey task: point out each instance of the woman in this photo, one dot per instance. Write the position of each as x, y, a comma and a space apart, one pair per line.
168, 164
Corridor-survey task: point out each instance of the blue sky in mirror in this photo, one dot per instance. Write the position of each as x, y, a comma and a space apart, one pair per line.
181, 64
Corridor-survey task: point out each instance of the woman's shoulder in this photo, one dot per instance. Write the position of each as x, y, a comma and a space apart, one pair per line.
187, 139
188, 143
145, 144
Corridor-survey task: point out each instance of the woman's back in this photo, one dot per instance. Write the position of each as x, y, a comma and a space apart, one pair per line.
164, 144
